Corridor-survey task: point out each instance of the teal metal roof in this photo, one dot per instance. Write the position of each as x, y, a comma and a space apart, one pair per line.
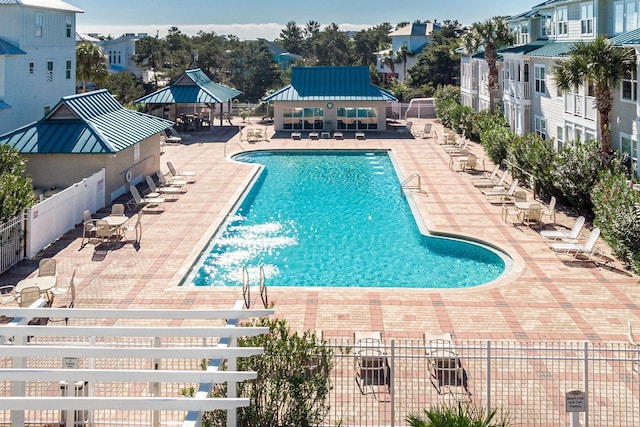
629, 38
7, 48
4, 105
553, 49
193, 87
525, 48
331, 84
92, 122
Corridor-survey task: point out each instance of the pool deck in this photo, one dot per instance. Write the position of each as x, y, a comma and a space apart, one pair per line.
545, 298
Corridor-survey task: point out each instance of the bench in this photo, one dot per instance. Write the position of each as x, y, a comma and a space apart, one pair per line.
338, 135
296, 135
361, 136
313, 135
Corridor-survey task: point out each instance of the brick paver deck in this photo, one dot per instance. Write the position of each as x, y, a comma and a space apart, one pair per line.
545, 298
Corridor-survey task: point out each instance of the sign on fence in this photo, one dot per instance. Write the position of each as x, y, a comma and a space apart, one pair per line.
575, 401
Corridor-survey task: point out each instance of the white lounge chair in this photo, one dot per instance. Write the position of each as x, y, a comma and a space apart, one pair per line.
164, 191
155, 204
162, 182
577, 249
489, 183
571, 235
501, 193
188, 176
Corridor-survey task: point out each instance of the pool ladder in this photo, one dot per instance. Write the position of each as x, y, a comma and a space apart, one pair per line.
414, 183
246, 287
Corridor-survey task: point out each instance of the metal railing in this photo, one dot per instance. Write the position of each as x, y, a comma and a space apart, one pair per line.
408, 184
528, 382
520, 174
11, 242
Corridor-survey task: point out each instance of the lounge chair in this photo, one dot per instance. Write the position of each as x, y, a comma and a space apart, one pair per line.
172, 137
162, 191
577, 249
188, 176
483, 177
406, 129
551, 210
445, 366
147, 204
425, 132
571, 235
490, 183
162, 182
372, 370
501, 193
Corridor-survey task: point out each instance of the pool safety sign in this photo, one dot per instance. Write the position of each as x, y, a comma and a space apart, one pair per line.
576, 401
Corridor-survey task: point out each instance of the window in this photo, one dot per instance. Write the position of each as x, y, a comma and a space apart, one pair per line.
628, 146
524, 33
540, 86
586, 18
357, 118
541, 127
302, 118
618, 17
68, 70
49, 71
32, 66
630, 86
39, 24
630, 15
547, 26
560, 137
69, 25
563, 21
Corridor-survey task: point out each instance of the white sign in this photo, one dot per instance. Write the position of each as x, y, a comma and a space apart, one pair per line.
576, 401
70, 363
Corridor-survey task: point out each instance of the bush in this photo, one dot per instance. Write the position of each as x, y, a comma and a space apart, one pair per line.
293, 380
575, 173
461, 118
16, 192
617, 212
495, 141
484, 120
534, 155
460, 415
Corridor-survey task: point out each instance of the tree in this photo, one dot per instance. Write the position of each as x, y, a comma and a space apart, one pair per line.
601, 63
253, 69
292, 38
491, 35
16, 192
124, 87
332, 47
150, 52
91, 65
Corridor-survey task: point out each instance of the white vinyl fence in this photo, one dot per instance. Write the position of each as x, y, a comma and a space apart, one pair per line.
54, 216
528, 382
11, 243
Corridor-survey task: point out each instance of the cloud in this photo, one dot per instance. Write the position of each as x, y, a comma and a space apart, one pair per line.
268, 31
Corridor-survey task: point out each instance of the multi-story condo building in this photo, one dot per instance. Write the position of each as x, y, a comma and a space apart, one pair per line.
527, 93
37, 58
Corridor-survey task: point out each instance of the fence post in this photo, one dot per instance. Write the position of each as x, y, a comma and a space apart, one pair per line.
393, 380
586, 382
488, 376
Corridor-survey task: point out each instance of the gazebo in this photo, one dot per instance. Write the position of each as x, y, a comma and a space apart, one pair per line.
194, 97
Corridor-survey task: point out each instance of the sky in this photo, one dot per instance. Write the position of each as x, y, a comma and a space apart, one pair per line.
252, 19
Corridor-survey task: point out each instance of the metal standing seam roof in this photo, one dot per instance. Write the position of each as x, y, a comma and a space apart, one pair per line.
193, 87
331, 83
7, 48
91, 122
629, 38
553, 49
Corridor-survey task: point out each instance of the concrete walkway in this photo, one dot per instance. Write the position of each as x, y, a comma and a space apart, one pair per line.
545, 298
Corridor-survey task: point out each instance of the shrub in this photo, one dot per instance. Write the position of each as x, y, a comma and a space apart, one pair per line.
16, 192
617, 212
534, 155
484, 120
495, 141
575, 172
461, 118
293, 380
460, 415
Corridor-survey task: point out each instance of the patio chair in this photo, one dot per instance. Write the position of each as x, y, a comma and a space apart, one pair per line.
425, 132
28, 296
88, 227
47, 267
445, 366
134, 224
188, 176
570, 236
533, 215
372, 370
105, 232
577, 249
117, 209
162, 191
64, 290
7, 294
147, 204
406, 130
172, 137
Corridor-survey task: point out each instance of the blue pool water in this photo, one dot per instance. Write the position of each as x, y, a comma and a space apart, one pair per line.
338, 219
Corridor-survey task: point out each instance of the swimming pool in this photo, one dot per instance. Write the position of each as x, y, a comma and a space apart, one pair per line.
335, 219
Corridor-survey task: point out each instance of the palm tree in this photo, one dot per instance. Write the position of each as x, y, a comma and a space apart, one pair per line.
604, 65
491, 35
389, 60
402, 54
91, 64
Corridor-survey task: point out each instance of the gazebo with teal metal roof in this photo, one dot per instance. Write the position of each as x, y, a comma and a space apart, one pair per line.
192, 88
330, 98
